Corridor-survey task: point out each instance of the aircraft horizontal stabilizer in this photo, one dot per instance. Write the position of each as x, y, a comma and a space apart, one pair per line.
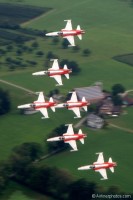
80, 36
112, 169
85, 108
53, 108
82, 141
67, 76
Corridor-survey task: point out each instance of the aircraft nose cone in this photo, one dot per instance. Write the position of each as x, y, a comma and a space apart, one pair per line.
38, 73
24, 106
84, 167
52, 34
49, 140
48, 34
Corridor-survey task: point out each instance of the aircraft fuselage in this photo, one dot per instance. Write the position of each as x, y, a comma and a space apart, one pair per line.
58, 72
66, 137
75, 104
104, 165
38, 105
65, 33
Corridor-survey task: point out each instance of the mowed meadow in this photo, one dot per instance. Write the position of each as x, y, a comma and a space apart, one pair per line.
108, 26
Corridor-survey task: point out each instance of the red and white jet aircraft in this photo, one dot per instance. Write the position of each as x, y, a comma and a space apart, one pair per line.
101, 166
55, 72
41, 105
68, 33
70, 137
75, 105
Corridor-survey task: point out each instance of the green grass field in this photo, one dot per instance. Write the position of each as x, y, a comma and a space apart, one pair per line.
108, 25
18, 192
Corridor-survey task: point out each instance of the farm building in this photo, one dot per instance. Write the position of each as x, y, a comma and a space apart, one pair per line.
95, 121
127, 101
108, 108
93, 94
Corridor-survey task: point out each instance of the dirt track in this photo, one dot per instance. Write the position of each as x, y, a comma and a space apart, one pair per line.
17, 86
121, 128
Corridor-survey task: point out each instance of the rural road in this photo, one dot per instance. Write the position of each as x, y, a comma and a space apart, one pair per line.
121, 128
76, 125
17, 86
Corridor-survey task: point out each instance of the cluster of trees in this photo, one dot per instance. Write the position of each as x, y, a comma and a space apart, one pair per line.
5, 102
54, 146
117, 89
20, 49
71, 65
65, 45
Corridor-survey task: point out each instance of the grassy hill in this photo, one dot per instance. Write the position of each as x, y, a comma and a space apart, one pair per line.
108, 25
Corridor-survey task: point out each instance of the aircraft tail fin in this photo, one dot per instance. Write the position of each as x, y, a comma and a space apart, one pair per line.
112, 169
83, 99
110, 160
78, 28
80, 132
65, 67
51, 99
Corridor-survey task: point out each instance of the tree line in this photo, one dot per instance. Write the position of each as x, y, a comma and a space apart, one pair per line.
5, 102
23, 167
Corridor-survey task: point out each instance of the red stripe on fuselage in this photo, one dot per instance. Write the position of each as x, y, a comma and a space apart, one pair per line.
103, 165
71, 32
44, 105
59, 72
73, 137
76, 104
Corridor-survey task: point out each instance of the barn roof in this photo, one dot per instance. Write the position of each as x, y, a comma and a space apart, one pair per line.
90, 93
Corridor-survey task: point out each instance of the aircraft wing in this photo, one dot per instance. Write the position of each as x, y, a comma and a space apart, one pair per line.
70, 38
68, 25
41, 97
76, 111
58, 79
73, 97
100, 158
70, 130
103, 173
72, 144
44, 112
55, 64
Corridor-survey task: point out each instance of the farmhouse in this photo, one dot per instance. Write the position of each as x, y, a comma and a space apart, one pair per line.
93, 94
108, 108
127, 101
94, 121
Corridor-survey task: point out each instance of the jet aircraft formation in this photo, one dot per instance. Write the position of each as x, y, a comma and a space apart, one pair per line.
72, 104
